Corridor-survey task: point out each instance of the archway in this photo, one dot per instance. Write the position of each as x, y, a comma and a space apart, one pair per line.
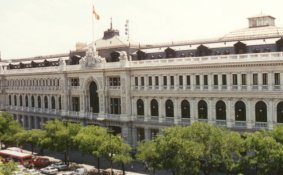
202, 109
93, 98
53, 102
154, 107
32, 101
185, 107
240, 111
140, 107
39, 102
260, 112
220, 110
45, 102
280, 112
169, 108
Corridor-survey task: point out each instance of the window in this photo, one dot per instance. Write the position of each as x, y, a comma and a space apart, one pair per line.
136, 81
142, 81
255, 79
235, 80
188, 80
277, 78
115, 106
205, 80
172, 80
215, 79
244, 79
224, 80
76, 103
264, 79
156, 81
181, 80
75, 82
164, 80
150, 81
114, 81
197, 80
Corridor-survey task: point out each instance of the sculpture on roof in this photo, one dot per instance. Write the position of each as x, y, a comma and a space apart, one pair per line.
92, 58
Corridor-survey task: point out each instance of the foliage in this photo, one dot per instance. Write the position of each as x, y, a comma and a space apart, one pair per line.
8, 168
8, 127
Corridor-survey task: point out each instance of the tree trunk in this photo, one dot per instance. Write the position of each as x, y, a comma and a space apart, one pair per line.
32, 149
98, 165
123, 168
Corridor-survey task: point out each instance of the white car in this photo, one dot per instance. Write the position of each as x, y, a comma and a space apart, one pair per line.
68, 173
80, 171
49, 170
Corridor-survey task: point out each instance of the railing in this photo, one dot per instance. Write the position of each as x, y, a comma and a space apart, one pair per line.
114, 87
240, 124
260, 125
113, 116
203, 120
154, 119
221, 122
169, 120
140, 118
185, 121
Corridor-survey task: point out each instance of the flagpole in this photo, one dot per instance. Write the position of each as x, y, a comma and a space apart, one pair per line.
92, 20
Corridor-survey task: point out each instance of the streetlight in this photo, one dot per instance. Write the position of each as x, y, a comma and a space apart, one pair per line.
66, 157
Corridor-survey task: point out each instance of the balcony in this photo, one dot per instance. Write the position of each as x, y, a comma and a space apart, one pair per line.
169, 120
114, 88
202, 120
260, 125
221, 123
185, 121
140, 118
240, 124
154, 119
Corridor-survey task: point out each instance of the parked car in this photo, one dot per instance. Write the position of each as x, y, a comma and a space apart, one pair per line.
32, 172
40, 162
68, 173
80, 171
49, 170
60, 166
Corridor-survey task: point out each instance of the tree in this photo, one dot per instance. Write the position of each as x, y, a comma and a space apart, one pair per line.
32, 137
8, 127
60, 136
8, 168
90, 139
263, 152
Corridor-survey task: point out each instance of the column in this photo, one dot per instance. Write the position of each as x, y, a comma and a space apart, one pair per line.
239, 77
250, 109
270, 113
146, 109
230, 114
82, 104
160, 110
153, 81
176, 111
201, 78
161, 82
146, 82
193, 82
147, 133
176, 82
210, 82
249, 81
168, 82
220, 82
229, 81
184, 82
194, 110
211, 110
259, 81
270, 81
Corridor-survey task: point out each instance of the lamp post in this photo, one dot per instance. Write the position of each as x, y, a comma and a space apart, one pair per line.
66, 155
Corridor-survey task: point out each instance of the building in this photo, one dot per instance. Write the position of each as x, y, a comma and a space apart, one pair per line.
235, 81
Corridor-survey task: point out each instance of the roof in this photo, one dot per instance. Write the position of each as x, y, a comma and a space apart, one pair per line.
14, 153
261, 15
113, 42
254, 33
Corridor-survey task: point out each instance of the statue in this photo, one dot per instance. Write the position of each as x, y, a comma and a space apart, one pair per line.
92, 58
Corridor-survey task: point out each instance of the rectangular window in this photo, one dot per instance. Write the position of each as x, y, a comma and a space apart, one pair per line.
76, 103
74, 82
224, 80
197, 80
156, 81
136, 81
215, 79
150, 81
115, 106
235, 80
188, 80
114, 81
165, 80
142, 81
264, 79
244, 79
205, 80
277, 79
255, 79
172, 80
181, 80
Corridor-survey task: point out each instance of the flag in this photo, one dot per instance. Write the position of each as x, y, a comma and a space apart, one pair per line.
94, 13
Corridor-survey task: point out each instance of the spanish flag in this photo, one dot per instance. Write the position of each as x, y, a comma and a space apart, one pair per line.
94, 13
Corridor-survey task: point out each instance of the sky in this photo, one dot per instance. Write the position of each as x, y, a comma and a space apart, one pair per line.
41, 27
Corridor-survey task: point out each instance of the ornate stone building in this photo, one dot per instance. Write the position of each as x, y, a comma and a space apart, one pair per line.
234, 81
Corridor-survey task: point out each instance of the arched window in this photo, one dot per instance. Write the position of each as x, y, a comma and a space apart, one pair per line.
53, 102
10, 100
15, 100
60, 105
93, 98
220, 110
45, 102
154, 107
240, 48
185, 107
203, 51
260, 112
39, 102
140, 107
21, 101
202, 109
32, 101
279, 45
169, 108
26, 100
280, 112
240, 111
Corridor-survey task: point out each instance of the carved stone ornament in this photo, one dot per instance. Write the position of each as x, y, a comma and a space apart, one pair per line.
92, 58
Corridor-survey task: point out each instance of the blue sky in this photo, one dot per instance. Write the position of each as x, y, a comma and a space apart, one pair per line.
40, 27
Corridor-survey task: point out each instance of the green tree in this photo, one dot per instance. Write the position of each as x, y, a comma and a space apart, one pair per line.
8, 127
60, 136
90, 139
8, 168
263, 152
32, 137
